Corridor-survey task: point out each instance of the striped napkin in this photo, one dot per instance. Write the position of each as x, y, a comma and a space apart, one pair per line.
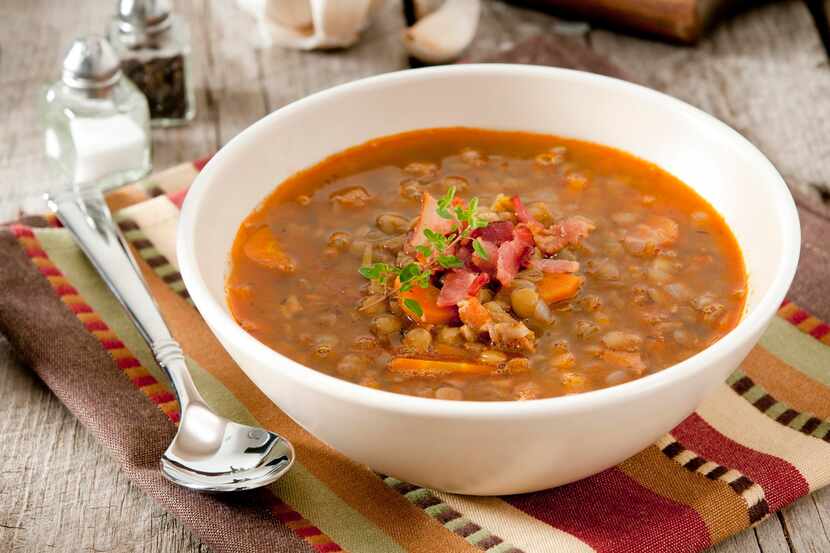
760, 442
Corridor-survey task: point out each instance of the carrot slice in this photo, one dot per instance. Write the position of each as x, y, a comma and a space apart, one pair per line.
427, 298
446, 350
263, 249
559, 286
430, 367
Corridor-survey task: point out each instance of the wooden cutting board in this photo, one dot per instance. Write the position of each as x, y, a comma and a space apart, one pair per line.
678, 20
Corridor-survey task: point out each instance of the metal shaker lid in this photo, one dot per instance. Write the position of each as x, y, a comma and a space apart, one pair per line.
91, 62
143, 16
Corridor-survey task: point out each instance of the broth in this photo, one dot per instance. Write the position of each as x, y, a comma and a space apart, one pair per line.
581, 267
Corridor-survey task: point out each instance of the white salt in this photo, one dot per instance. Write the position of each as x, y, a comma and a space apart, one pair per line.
106, 145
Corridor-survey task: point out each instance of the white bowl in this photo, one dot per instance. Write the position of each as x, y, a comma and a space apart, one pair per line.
488, 448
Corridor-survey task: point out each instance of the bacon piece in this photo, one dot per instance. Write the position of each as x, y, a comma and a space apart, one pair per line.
429, 219
523, 234
511, 254
555, 265
507, 265
457, 284
496, 232
478, 283
565, 233
527, 257
521, 211
465, 254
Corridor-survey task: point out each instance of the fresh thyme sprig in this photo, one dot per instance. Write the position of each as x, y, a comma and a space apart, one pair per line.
438, 252
408, 275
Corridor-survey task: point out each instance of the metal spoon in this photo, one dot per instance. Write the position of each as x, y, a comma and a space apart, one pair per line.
209, 452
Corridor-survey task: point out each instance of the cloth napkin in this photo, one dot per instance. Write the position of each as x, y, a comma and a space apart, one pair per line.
758, 443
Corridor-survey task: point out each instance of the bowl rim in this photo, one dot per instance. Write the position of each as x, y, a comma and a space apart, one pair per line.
222, 323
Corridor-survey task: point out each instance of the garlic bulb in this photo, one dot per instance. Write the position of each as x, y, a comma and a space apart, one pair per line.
311, 24
444, 33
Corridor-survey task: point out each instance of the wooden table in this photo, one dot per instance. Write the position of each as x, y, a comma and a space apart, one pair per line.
765, 72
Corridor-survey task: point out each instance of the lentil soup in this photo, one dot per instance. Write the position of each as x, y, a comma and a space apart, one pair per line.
485, 265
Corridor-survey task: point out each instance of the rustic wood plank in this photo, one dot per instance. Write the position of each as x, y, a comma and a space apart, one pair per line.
764, 72
59, 490
771, 537
232, 71
503, 26
745, 542
807, 523
291, 74
822, 501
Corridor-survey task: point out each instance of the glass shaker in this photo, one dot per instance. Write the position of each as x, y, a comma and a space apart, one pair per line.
154, 47
96, 123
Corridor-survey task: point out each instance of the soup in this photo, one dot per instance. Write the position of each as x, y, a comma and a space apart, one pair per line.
471, 264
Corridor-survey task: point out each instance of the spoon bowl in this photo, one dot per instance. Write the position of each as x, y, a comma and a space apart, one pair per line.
211, 453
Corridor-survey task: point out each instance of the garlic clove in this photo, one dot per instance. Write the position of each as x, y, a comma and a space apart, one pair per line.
375, 6
311, 24
281, 35
292, 13
425, 7
253, 7
340, 22
443, 35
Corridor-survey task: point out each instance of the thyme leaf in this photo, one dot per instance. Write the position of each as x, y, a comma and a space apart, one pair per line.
414, 306
478, 247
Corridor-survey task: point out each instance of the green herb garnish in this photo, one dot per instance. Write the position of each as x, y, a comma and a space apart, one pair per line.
377, 271
411, 274
414, 306
426, 251
444, 203
478, 247
435, 255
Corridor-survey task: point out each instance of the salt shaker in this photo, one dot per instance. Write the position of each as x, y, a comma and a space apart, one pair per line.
154, 46
96, 123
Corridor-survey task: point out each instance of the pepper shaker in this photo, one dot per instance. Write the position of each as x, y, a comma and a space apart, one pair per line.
154, 46
96, 123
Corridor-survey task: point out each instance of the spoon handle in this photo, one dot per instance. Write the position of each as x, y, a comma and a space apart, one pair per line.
88, 219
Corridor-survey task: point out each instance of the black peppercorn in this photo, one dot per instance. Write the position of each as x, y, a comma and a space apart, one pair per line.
163, 82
